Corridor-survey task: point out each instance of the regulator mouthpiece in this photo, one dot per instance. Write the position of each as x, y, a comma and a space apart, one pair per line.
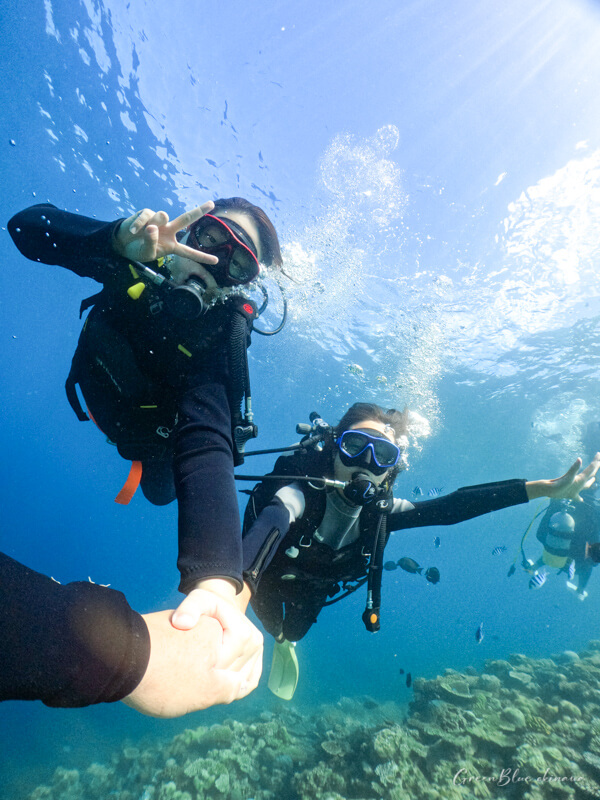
360, 490
187, 301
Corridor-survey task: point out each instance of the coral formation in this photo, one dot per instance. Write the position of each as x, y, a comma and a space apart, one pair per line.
524, 728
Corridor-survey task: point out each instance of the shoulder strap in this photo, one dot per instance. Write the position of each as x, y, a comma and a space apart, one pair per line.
88, 302
243, 316
371, 614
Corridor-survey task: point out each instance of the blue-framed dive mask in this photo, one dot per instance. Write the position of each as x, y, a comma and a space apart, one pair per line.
368, 449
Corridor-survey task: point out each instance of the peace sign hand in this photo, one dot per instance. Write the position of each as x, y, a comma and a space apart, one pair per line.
148, 235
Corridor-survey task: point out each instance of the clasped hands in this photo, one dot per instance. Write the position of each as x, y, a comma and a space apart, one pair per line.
213, 656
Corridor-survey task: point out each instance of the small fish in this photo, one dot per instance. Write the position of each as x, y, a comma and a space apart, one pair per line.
355, 369
433, 575
437, 541
571, 570
390, 565
479, 634
409, 565
417, 491
401, 671
538, 580
497, 550
408, 680
435, 492
511, 571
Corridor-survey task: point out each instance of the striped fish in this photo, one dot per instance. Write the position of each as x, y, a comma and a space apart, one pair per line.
435, 492
538, 580
497, 550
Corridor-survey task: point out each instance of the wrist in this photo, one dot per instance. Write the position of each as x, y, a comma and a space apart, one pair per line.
537, 489
117, 246
224, 587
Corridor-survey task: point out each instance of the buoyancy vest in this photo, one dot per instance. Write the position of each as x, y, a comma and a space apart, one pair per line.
301, 553
134, 360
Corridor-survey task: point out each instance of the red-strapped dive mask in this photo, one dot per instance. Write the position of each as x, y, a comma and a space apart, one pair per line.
229, 242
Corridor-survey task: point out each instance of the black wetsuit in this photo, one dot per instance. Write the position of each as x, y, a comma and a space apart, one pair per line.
136, 359
69, 646
292, 575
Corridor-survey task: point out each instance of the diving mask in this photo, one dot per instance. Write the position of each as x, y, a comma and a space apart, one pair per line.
368, 449
229, 242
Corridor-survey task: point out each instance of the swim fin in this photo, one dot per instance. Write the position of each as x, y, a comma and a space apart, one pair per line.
283, 678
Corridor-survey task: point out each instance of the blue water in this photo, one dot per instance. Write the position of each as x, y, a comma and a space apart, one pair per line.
433, 170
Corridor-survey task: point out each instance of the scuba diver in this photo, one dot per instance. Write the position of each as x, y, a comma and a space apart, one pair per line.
315, 529
161, 361
568, 532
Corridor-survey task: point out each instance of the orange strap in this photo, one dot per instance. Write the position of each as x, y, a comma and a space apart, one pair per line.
131, 484
133, 479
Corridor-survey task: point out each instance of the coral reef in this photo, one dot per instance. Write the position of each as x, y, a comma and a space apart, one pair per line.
523, 729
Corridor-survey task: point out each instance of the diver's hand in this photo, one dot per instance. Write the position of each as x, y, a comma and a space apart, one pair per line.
192, 670
569, 485
148, 235
238, 631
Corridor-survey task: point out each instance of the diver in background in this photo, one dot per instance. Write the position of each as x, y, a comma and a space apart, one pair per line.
566, 532
306, 546
161, 360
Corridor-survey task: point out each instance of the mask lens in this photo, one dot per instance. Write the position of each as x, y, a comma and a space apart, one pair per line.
353, 443
386, 453
210, 235
242, 266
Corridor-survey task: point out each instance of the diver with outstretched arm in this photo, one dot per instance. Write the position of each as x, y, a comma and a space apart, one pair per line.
307, 545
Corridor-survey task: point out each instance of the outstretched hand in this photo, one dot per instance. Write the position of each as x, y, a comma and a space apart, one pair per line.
148, 235
217, 661
569, 485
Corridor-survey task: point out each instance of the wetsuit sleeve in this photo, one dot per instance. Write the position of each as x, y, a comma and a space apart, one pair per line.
210, 538
463, 504
47, 234
262, 538
69, 646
